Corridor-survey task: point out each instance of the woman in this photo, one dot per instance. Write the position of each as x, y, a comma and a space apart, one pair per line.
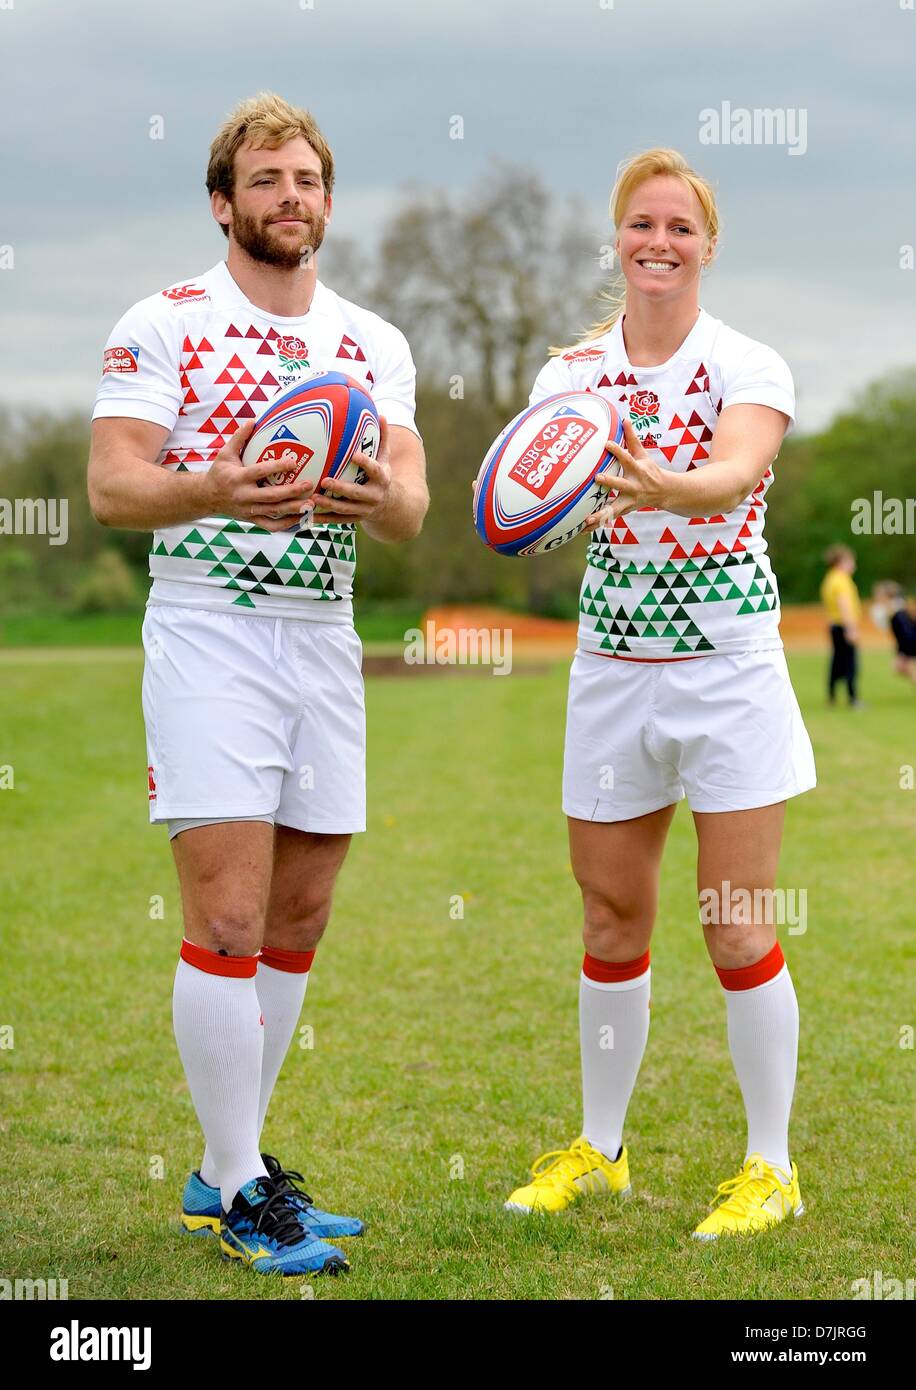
679, 686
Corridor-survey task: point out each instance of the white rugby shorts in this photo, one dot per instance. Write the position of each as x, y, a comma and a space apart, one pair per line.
724, 730
254, 716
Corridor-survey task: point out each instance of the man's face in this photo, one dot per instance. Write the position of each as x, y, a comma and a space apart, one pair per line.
279, 209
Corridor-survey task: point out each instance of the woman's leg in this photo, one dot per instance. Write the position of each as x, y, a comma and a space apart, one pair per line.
736, 871
617, 868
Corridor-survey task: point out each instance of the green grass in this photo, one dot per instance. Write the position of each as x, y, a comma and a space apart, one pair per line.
443, 1046
378, 622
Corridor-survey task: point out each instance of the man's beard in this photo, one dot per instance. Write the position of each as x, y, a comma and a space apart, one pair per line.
254, 237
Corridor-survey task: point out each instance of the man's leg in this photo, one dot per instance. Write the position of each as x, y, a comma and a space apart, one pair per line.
302, 887
836, 662
852, 671
224, 872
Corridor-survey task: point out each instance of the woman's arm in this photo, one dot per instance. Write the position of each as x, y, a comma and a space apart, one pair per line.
745, 443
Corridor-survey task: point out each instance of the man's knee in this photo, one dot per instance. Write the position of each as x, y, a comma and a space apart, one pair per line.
235, 933
299, 926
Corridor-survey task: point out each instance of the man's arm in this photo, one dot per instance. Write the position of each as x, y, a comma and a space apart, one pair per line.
129, 490
848, 617
400, 516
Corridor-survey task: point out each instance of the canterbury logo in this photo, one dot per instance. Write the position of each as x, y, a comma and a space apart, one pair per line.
183, 292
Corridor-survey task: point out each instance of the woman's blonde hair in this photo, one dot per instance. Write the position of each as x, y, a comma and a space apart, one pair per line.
630, 174
265, 121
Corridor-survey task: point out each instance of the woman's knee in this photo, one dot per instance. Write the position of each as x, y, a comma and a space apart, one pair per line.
613, 928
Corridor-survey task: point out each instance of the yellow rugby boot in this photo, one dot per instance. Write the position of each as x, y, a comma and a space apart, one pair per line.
757, 1198
562, 1176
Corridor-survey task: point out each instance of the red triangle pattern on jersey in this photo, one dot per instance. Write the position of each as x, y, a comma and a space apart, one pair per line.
189, 456
241, 402
700, 382
678, 552
620, 533
267, 339
693, 431
193, 363
701, 552
621, 379
350, 350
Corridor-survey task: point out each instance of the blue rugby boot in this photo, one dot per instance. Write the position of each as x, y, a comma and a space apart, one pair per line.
264, 1229
201, 1207
320, 1223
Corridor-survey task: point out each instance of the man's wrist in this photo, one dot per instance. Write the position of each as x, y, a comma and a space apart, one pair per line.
202, 492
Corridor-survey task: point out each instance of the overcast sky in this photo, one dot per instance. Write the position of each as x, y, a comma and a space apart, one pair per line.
99, 215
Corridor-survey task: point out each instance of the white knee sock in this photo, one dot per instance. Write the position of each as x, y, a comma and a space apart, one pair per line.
220, 1036
763, 1039
281, 982
613, 1028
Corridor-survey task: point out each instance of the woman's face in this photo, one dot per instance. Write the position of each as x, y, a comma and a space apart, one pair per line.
661, 241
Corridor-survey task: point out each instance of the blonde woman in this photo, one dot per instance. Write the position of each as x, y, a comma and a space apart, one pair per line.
679, 687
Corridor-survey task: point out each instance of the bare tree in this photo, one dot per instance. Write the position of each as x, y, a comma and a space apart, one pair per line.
483, 282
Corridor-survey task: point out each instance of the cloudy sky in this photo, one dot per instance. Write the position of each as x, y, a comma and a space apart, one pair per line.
98, 215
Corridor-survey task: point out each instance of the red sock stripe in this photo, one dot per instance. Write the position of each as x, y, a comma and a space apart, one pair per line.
293, 962
608, 972
239, 967
750, 976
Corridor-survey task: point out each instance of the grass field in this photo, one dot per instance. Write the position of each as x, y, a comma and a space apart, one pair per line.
445, 1051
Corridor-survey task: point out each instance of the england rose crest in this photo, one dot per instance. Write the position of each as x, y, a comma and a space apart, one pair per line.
293, 354
643, 409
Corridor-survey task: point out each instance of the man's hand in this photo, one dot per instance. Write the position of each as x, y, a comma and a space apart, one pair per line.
233, 489
337, 501
641, 484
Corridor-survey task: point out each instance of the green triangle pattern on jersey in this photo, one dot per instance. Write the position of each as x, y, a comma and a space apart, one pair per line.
670, 607
305, 564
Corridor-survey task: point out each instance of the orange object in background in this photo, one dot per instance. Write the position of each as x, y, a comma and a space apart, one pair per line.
803, 628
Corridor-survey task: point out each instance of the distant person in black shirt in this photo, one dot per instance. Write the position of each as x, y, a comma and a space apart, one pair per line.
891, 603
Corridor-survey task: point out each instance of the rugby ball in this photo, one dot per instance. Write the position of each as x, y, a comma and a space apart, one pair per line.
313, 429
536, 485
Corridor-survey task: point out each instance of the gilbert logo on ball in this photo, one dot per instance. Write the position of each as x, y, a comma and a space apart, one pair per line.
536, 485
313, 429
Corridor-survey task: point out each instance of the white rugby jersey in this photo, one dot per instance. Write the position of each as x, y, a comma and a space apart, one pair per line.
659, 586
201, 359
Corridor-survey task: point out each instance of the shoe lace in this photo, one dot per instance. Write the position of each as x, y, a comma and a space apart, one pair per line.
277, 1218
753, 1184
286, 1179
560, 1168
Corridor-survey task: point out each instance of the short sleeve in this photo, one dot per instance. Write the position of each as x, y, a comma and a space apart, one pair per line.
395, 385
550, 380
761, 377
141, 369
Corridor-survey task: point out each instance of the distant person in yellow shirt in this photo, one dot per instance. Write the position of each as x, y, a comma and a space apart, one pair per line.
840, 597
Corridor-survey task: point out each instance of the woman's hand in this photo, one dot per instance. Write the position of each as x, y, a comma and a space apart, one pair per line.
641, 484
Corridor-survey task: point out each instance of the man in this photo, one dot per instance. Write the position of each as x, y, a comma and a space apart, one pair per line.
252, 687
840, 598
